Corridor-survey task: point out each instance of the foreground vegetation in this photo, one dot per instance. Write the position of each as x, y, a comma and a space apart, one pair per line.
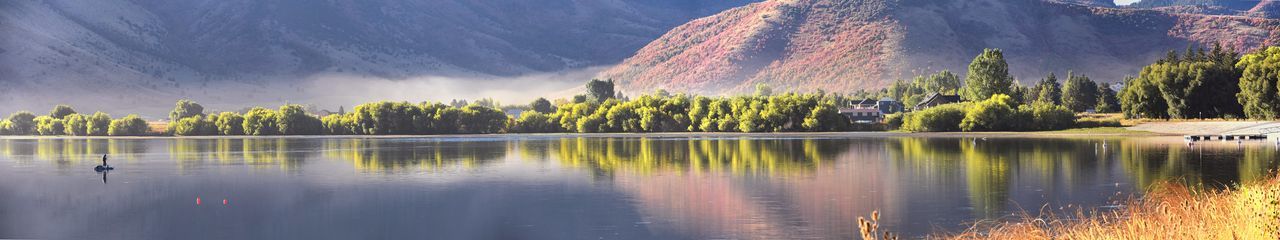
1251, 211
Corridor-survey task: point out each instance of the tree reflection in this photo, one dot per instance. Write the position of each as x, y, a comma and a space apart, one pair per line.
259, 152
992, 166
746, 156
69, 152
379, 155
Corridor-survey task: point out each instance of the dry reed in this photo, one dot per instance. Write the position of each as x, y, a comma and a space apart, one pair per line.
1171, 211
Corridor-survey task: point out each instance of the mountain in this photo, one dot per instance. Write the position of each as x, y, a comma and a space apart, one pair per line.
1239, 5
118, 50
838, 45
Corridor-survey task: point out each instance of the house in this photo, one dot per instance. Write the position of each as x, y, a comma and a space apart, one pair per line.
936, 99
870, 110
889, 106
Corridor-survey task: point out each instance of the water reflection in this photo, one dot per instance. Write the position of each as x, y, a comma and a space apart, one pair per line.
656, 187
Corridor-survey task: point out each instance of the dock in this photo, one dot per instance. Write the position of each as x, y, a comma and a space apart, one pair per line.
1262, 135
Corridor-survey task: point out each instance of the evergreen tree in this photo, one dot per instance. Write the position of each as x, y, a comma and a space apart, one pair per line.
1079, 93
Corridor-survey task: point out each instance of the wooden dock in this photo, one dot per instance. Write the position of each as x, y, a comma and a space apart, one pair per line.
1229, 137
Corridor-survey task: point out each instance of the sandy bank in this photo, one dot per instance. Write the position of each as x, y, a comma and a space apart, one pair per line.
1208, 127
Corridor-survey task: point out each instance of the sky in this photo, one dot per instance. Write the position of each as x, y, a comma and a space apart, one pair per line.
1125, 2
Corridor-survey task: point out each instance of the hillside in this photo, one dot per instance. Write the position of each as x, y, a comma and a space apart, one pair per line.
838, 45
131, 52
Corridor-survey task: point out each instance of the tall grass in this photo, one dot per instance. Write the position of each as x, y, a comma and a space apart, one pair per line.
1171, 211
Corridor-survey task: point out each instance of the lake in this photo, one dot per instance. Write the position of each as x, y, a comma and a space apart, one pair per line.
581, 187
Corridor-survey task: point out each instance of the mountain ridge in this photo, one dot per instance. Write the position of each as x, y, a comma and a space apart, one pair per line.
849, 45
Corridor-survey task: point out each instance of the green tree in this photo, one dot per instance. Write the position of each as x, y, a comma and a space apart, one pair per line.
335, 124
1141, 98
4, 127
824, 118
1191, 86
599, 90
76, 125
1259, 87
261, 122
131, 125
535, 122
22, 123
186, 108
942, 82
1107, 100
194, 126
293, 119
482, 120
1079, 93
49, 126
541, 105
1049, 90
61, 111
988, 75
229, 123
99, 124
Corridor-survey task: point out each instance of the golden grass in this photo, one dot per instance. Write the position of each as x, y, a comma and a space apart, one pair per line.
1171, 211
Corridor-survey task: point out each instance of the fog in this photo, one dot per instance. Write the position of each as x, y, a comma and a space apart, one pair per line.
327, 91
346, 90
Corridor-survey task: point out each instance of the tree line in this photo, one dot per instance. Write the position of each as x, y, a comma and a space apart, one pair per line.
994, 101
63, 120
600, 110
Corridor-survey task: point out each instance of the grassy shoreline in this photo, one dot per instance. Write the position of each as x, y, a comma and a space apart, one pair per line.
1172, 211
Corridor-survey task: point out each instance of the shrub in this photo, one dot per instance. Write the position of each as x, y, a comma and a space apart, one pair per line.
98, 124
294, 120
825, 118
1050, 117
335, 124
49, 126
22, 123
75, 125
61, 111
941, 118
184, 109
229, 123
535, 122
130, 125
193, 126
260, 121
893, 121
993, 114
480, 119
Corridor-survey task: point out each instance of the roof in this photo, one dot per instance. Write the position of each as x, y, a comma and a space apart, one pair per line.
865, 102
888, 100
938, 97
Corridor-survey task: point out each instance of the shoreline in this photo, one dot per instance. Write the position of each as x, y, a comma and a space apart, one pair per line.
1080, 132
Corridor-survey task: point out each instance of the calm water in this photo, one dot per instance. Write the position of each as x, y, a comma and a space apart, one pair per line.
544, 187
